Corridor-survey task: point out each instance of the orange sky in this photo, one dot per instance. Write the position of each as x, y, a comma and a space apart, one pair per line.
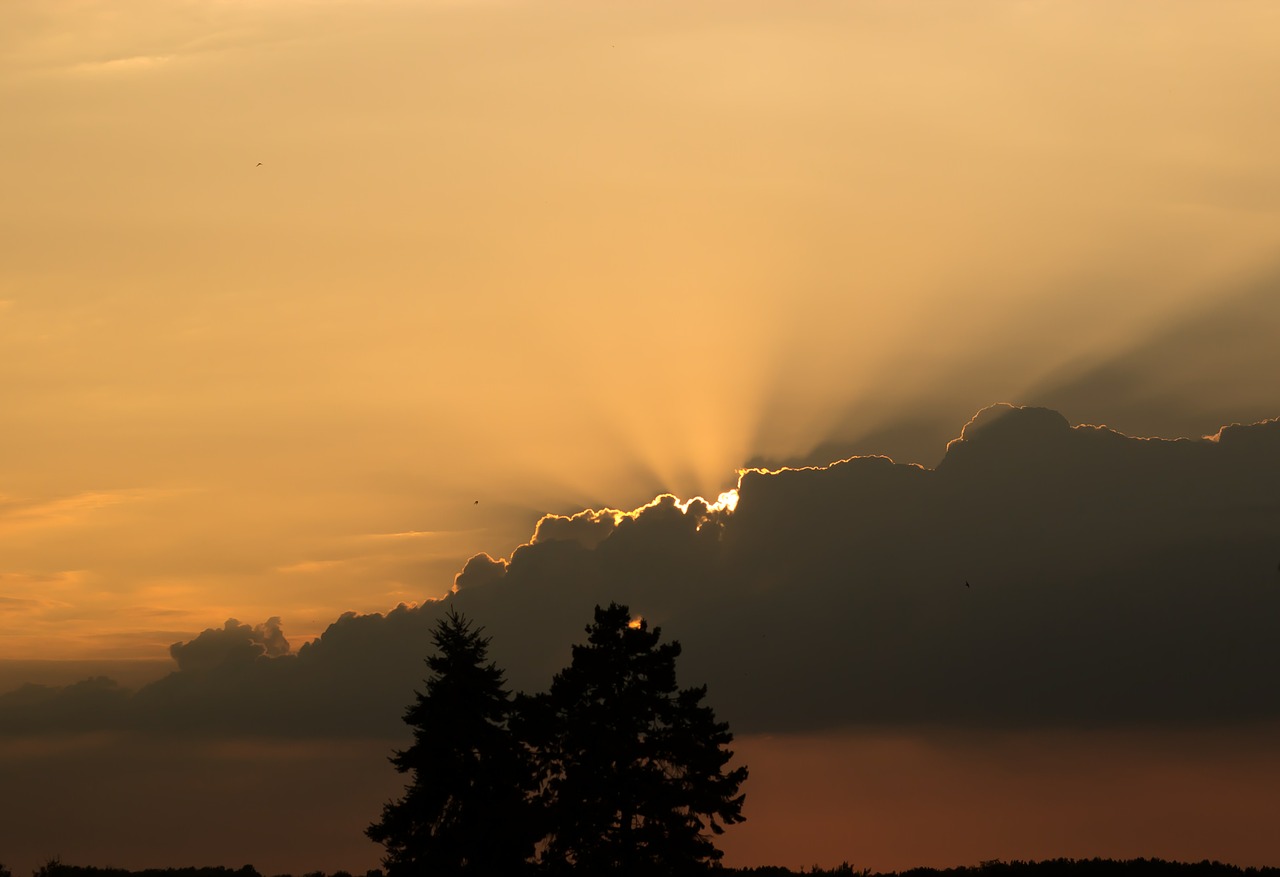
555, 255
509, 257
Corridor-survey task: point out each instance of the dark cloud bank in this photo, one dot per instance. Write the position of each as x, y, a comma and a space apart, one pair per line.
1042, 575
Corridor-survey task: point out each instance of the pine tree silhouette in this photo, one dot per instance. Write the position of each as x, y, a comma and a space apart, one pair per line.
466, 807
632, 769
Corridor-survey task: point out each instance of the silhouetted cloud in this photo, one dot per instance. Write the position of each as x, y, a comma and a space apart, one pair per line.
1041, 575
234, 643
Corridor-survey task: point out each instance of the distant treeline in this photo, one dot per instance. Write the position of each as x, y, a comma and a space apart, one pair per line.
992, 868
1046, 868
57, 868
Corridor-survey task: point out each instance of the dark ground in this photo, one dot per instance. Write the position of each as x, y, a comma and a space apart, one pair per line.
994, 868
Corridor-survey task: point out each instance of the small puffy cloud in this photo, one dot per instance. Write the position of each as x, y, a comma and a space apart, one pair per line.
588, 528
479, 571
233, 643
272, 637
1014, 426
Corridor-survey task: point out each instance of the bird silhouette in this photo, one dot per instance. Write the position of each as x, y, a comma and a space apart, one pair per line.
259, 164
966, 584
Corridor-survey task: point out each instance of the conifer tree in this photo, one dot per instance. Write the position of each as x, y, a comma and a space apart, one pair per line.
465, 809
632, 768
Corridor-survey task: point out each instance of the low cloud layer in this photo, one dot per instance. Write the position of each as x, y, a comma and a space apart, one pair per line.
1042, 575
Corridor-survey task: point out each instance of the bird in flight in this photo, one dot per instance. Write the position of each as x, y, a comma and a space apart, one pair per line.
259, 164
966, 584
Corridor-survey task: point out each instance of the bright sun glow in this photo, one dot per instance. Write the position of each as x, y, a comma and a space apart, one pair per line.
727, 500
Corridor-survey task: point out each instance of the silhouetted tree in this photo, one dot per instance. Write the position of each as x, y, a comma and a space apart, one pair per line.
466, 808
632, 769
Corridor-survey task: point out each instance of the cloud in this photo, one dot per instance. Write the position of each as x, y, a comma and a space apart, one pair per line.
310, 566
64, 511
35, 594
18, 604
93, 703
480, 570
122, 65
589, 527
405, 535
1042, 575
235, 643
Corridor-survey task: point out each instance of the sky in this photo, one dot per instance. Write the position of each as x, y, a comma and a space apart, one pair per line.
314, 310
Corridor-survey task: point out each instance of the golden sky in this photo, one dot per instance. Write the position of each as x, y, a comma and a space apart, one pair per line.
305, 302
552, 255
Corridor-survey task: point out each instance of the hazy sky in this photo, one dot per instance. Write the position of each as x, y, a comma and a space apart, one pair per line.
305, 302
